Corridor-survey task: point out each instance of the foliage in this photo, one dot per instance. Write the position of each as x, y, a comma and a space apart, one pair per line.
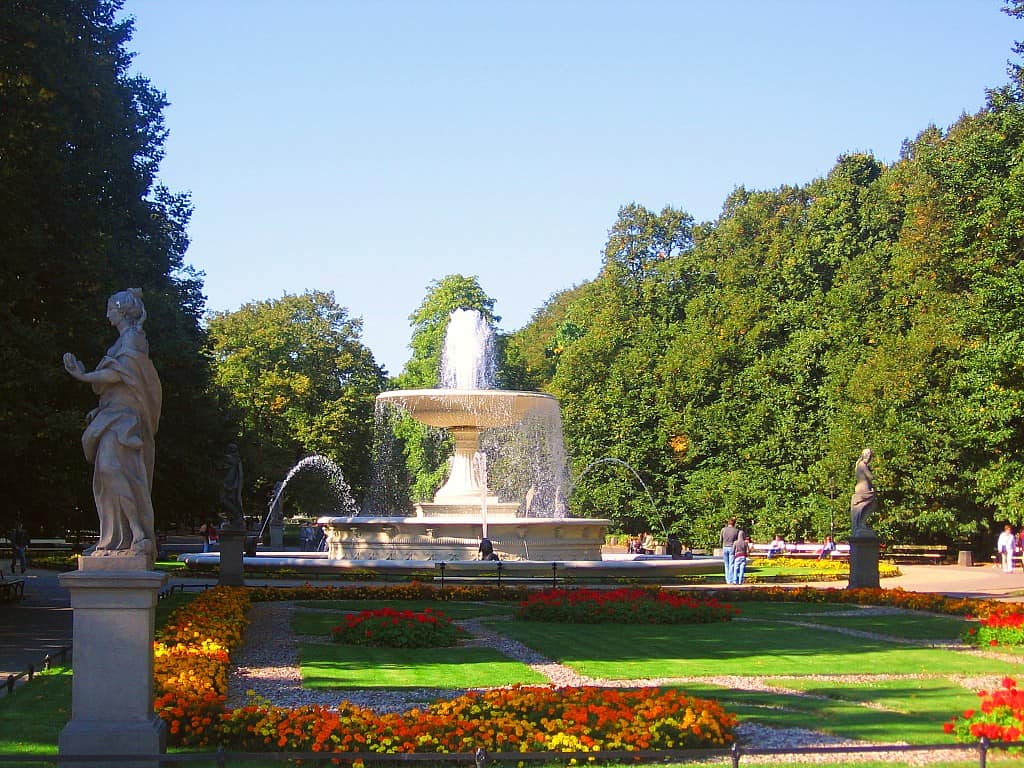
296, 372
740, 365
430, 322
81, 217
1003, 626
412, 458
622, 606
391, 628
999, 717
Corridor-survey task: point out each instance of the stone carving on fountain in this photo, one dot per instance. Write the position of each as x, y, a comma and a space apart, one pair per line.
464, 509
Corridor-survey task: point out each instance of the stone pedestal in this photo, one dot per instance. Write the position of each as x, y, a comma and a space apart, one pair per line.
276, 537
114, 601
232, 548
864, 561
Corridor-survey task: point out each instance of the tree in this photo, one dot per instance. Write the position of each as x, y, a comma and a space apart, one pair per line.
430, 321
81, 217
296, 372
412, 459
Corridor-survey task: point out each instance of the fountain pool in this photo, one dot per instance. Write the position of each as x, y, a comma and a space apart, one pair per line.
528, 520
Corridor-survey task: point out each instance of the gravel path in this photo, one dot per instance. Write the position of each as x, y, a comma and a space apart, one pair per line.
267, 665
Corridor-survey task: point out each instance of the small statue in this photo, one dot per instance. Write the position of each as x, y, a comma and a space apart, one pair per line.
119, 437
864, 500
231, 490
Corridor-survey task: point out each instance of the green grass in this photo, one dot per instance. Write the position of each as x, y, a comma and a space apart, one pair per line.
762, 644
346, 666
33, 716
755, 647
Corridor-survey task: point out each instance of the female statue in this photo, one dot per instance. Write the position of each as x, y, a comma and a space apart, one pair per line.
119, 436
864, 501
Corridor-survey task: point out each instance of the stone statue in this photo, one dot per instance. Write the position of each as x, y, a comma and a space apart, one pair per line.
231, 490
119, 436
864, 500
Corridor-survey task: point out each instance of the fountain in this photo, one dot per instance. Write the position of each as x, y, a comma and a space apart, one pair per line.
491, 429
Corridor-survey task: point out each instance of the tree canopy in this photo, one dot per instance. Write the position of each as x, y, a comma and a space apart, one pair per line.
301, 382
81, 217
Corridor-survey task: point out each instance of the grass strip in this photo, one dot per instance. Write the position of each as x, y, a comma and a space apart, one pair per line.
340, 666
755, 647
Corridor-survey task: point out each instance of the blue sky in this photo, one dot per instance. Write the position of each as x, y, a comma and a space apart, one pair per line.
371, 147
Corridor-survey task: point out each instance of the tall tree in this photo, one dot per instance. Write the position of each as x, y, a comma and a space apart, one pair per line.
81, 216
303, 383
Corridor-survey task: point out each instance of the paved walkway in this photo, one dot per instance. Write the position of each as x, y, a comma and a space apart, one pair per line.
42, 623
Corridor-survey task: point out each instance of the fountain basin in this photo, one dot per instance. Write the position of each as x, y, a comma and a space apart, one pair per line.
455, 538
469, 408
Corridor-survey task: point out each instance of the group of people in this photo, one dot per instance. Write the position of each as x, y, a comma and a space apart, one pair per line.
1008, 545
641, 545
310, 537
735, 545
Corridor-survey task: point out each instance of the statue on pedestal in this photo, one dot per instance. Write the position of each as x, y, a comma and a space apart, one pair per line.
231, 490
119, 437
864, 500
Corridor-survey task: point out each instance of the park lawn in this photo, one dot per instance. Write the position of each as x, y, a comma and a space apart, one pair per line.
744, 647
903, 711
914, 625
32, 717
333, 665
800, 611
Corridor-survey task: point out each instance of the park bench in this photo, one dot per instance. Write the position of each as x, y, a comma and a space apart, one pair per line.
12, 589
803, 551
917, 553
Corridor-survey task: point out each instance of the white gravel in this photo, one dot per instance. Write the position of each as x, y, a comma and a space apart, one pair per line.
267, 666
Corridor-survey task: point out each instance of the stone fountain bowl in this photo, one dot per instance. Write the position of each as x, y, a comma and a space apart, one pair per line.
469, 408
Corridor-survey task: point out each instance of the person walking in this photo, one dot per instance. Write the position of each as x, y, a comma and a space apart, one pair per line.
1005, 545
740, 550
728, 537
19, 544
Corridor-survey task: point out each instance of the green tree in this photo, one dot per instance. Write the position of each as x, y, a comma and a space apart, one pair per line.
296, 372
412, 458
430, 321
81, 217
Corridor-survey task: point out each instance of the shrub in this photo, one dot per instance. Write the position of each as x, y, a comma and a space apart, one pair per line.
1000, 716
388, 628
625, 606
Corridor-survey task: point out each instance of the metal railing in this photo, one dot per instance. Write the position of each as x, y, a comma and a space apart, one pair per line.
47, 664
481, 759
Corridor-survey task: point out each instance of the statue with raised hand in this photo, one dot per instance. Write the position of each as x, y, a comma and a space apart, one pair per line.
119, 438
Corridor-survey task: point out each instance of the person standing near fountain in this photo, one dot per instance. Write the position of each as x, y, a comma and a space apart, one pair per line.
119, 437
727, 538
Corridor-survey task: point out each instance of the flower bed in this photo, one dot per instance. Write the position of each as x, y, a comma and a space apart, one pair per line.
388, 628
516, 719
1003, 625
192, 661
624, 606
999, 717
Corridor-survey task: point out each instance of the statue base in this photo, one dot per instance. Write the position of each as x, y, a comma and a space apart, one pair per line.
114, 602
864, 560
277, 536
232, 549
